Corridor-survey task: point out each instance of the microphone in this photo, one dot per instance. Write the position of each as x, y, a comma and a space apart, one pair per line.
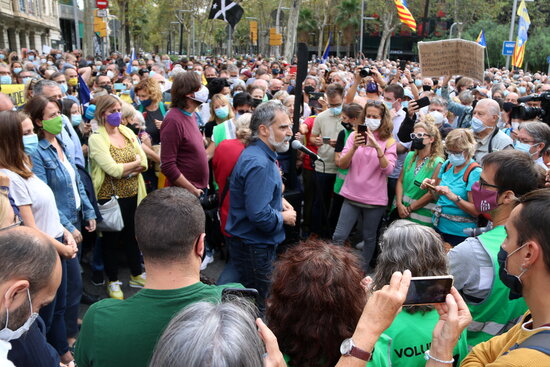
299, 146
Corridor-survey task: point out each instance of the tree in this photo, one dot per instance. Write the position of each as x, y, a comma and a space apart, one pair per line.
349, 20
292, 29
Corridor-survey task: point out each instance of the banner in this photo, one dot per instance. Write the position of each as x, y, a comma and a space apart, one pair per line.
15, 92
451, 57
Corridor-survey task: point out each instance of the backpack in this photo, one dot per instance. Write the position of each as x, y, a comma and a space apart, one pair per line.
469, 170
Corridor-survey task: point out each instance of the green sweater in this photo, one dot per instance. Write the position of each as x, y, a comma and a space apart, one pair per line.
124, 333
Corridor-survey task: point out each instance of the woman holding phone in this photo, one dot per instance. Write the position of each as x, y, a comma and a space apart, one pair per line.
370, 155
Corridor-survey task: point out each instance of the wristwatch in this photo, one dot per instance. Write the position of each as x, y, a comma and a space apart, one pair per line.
347, 348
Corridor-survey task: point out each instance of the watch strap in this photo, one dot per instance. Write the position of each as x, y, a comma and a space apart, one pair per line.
360, 353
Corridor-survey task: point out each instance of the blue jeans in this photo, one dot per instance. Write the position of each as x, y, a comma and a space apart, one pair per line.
54, 315
229, 273
74, 293
254, 264
324, 218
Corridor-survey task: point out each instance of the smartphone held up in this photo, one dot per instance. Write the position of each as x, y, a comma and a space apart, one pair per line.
428, 290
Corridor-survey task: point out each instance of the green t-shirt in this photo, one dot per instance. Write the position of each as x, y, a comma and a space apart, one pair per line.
125, 333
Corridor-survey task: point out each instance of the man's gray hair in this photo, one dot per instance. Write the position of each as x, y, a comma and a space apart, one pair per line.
439, 101
39, 87
407, 245
232, 68
315, 79
539, 131
210, 335
265, 115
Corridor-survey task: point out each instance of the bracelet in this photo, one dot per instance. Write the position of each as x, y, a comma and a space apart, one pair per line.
428, 356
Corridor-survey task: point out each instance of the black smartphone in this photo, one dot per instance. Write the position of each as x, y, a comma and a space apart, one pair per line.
362, 129
428, 290
422, 102
250, 294
315, 95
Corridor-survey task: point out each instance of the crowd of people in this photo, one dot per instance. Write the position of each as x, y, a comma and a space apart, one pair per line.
160, 164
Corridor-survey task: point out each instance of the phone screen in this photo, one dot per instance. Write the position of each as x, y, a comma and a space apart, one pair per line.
423, 102
429, 290
249, 293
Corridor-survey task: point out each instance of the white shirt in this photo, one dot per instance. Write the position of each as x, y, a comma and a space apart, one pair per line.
70, 169
5, 347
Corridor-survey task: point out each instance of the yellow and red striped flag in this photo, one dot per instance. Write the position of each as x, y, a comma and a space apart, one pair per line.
405, 15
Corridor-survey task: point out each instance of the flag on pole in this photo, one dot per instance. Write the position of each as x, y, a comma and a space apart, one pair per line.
327, 48
83, 91
129, 67
481, 38
523, 27
405, 15
226, 10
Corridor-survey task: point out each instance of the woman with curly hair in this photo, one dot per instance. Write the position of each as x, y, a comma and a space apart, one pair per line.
423, 161
315, 303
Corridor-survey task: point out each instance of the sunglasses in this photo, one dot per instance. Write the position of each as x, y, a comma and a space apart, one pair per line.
419, 135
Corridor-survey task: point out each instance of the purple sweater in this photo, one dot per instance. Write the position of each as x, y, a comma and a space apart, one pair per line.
182, 149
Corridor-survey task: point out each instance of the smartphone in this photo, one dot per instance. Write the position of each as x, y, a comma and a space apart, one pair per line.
315, 95
422, 102
428, 290
249, 293
293, 69
326, 139
362, 129
120, 86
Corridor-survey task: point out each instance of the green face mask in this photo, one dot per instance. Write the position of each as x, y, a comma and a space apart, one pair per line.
53, 126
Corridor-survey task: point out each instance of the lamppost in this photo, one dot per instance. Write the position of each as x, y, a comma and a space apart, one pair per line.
363, 18
452, 27
179, 15
277, 49
172, 40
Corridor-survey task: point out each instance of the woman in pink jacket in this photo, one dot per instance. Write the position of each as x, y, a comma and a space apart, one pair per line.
370, 156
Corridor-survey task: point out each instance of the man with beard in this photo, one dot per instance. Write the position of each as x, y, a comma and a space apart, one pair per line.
257, 209
30, 273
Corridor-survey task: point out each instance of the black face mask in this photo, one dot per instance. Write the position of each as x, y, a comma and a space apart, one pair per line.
208, 80
426, 88
275, 71
511, 281
108, 89
508, 106
309, 89
134, 128
347, 126
418, 144
256, 102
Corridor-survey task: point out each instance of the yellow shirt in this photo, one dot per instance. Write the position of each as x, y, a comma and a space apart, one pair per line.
491, 353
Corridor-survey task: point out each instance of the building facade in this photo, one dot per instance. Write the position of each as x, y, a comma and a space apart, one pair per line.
29, 24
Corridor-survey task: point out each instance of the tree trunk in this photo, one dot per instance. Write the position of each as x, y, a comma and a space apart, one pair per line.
88, 39
387, 48
321, 28
291, 30
388, 28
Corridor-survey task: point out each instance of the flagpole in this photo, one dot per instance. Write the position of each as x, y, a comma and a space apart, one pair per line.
229, 41
511, 36
488, 61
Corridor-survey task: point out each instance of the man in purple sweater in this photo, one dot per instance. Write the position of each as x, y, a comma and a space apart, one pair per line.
183, 156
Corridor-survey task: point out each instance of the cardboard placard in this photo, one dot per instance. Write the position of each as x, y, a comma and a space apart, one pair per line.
15, 92
452, 57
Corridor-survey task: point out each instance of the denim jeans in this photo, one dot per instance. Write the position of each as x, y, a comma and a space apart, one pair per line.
254, 264
229, 273
323, 220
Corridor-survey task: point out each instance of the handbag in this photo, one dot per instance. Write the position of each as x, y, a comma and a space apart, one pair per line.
111, 214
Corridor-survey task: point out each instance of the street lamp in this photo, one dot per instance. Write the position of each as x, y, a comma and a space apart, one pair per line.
180, 19
452, 27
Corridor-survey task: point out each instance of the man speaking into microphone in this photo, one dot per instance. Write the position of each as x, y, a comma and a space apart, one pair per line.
257, 209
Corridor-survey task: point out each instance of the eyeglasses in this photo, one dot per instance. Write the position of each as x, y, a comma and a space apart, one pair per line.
455, 153
482, 182
419, 135
242, 112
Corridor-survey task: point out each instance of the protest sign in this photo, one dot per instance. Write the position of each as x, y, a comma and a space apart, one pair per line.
15, 92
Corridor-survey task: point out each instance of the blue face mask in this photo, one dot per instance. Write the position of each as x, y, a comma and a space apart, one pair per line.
31, 58
135, 69
505, 92
26, 80
146, 102
389, 105
523, 147
17, 70
418, 82
336, 110
222, 112
477, 125
31, 143
457, 159
405, 104
76, 119
2, 56
522, 90
64, 88
5, 79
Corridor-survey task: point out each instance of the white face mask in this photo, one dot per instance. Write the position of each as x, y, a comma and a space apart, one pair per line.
515, 125
201, 95
372, 124
110, 74
7, 334
280, 147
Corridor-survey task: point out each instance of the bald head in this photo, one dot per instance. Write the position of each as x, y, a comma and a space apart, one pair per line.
488, 111
5, 103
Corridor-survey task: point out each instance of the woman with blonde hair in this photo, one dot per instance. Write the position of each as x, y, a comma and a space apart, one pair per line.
454, 210
117, 160
370, 155
423, 161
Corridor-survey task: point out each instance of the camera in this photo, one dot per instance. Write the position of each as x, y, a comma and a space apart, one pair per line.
529, 113
209, 202
365, 72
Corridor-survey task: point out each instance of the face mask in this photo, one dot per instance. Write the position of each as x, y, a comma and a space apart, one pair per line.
275, 71
53, 126
477, 125
237, 92
47, 62
31, 143
7, 334
64, 87
201, 95
222, 112
522, 90
208, 80
426, 88
31, 58
280, 147
135, 129
256, 102
523, 147
151, 73
5, 79
309, 89
418, 144
372, 124
372, 87
389, 105
110, 74
108, 89
484, 200
73, 82
26, 80
76, 119
114, 119
515, 125
347, 126
505, 92
17, 70
134, 69
510, 280
2, 56
457, 159
135, 82
336, 110
146, 102
405, 104
418, 82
